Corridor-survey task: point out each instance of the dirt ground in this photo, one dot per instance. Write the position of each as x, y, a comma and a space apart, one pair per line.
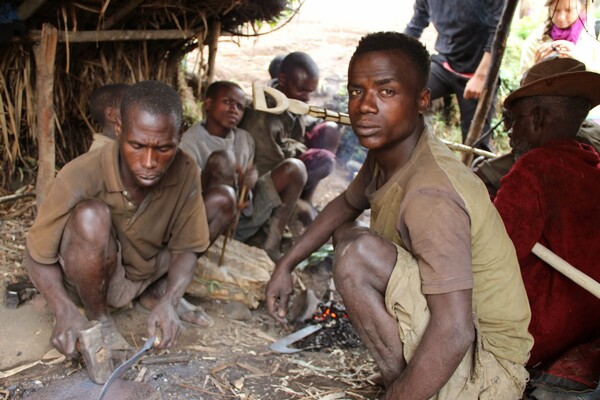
231, 359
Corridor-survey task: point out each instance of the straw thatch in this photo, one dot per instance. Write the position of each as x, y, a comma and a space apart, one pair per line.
82, 64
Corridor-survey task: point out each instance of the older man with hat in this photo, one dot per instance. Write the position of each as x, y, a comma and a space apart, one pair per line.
551, 195
492, 170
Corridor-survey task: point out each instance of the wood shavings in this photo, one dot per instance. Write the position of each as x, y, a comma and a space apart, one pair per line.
200, 348
262, 335
309, 365
250, 368
140, 375
238, 383
196, 389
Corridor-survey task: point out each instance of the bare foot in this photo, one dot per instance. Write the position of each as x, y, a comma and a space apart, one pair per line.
187, 312
193, 314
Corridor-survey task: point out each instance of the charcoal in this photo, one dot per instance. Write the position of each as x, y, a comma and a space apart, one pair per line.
337, 332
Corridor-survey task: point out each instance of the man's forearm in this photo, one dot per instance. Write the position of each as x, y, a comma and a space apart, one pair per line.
484, 65
179, 276
48, 279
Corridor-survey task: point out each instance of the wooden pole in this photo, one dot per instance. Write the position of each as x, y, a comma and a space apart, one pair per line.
113, 35
45, 54
213, 43
486, 98
581, 279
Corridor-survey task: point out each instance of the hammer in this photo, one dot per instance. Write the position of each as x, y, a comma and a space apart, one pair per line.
96, 352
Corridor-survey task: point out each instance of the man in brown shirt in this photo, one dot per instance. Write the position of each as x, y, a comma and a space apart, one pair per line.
125, 221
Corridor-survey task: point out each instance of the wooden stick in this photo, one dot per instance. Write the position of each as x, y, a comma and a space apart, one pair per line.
468, 149
213, 44
233, 227
231, 230
114, 35
491, 80
45, 55
14, 197
567, 269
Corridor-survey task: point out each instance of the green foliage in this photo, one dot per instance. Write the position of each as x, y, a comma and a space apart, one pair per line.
510, 72
448, 130
326, 251
211, 285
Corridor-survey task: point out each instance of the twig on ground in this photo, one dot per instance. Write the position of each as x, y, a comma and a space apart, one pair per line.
197, 389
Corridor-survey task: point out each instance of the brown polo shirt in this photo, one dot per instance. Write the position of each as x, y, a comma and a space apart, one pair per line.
171, 216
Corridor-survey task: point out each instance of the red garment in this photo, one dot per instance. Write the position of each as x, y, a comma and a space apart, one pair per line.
552, 196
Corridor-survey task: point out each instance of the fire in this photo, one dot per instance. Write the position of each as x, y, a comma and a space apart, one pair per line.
337, 330
329, 312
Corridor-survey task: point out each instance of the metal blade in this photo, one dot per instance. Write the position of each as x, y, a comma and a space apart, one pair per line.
281, 346
126, 365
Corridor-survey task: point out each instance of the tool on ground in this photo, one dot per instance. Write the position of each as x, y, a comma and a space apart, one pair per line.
567, 269
18, 293
282, 345
231, 231
282, 104
126, 365
96, 352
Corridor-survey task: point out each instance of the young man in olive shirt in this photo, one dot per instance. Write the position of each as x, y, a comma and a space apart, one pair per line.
433, 287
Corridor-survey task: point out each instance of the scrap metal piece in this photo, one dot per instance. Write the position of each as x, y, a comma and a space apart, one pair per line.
281, 346
18, 293
126, 365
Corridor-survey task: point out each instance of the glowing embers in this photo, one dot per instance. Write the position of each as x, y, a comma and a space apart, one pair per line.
337, 329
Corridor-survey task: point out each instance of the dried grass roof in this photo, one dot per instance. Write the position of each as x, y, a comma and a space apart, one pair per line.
83, 66
152, 14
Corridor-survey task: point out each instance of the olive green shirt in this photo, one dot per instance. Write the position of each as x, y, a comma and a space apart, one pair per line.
438, 210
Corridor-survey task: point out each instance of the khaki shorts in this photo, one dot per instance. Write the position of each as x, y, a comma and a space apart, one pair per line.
121, 290
265, 200
480, 375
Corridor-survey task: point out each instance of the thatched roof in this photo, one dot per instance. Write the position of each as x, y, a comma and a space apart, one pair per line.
99, 42
147, 14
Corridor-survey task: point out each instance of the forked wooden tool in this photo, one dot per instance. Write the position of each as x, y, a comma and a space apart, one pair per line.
282, 104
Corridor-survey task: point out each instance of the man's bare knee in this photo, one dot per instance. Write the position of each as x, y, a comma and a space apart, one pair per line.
88, 241
219, 169
289, 171
90, 221
363, 258
219, 200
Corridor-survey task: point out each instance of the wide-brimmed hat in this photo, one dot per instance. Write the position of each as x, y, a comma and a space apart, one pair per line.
558, 77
